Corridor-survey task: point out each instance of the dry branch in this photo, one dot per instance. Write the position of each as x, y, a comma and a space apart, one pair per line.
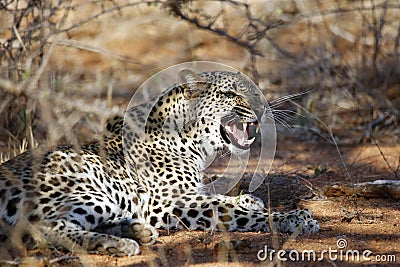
253, 32
376, 189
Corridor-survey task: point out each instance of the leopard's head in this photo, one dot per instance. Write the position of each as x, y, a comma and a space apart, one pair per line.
227, 108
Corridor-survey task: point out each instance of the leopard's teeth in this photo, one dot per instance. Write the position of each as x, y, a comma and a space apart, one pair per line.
244, 142
228, 129
240, 135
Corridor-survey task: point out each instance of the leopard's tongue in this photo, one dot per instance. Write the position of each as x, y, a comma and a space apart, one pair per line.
241, 136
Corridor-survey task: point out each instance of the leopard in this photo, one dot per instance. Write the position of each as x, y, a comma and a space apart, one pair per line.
146, 172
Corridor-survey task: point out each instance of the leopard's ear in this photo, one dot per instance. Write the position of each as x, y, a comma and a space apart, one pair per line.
193, 85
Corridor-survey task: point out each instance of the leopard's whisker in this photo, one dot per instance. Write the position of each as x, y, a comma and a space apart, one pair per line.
277, 102
285, 124
284, 115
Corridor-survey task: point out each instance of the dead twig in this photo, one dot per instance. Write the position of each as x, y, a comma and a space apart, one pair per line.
103, 51
63, 258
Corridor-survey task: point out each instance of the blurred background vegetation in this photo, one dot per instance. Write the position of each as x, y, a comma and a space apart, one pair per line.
67, 65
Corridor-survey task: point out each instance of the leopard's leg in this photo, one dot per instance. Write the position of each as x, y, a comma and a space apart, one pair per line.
76, 239
196, 211
134, 228
284, 222
246, 200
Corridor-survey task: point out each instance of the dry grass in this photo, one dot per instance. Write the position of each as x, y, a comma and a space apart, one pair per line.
63, 74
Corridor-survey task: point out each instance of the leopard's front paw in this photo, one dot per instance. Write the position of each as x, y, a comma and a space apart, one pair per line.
141, 231
117, 247
295, 221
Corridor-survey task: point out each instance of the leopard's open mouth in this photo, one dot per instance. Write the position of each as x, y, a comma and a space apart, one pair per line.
240, 134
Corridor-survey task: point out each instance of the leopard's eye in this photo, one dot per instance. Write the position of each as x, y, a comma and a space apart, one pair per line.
229, 94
